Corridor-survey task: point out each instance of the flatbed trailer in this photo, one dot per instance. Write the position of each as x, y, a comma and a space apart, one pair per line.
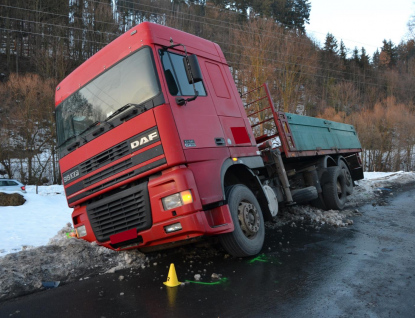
304, 149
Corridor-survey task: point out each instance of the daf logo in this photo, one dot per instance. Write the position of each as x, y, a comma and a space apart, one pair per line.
143, 140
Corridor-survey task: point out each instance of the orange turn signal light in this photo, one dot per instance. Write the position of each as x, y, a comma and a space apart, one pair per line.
186, 197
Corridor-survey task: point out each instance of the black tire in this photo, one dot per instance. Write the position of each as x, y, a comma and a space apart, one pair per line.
319, 202
304, 195
348, 177
334, 190
248, 236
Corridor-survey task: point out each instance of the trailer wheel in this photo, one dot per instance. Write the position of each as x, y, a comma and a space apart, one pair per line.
348, 177
319, 201
334, 190
249, 233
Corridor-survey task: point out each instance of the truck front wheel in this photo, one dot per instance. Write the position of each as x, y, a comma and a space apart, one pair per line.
248, 236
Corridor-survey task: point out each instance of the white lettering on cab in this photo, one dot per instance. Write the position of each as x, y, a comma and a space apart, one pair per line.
144, 140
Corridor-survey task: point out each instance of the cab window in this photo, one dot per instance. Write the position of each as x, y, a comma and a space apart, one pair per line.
175, 75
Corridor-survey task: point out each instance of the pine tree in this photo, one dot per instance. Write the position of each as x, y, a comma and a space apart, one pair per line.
342, 51
364, 59
330, 44
375, 58
355, 57
388, 56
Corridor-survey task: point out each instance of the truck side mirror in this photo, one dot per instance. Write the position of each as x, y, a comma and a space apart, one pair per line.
193, 72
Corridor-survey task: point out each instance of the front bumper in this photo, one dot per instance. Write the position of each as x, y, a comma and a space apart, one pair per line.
193, 220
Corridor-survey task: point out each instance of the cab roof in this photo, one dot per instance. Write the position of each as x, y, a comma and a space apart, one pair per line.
144, 34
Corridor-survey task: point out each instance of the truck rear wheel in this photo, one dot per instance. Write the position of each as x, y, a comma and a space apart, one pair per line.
319, 202
248, 236
348, 177
334, 190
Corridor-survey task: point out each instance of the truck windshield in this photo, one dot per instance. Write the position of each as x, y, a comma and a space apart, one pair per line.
131, 81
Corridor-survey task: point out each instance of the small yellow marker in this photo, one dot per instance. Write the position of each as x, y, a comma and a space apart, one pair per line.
172, 280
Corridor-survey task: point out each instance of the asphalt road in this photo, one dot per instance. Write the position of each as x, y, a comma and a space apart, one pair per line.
365, 270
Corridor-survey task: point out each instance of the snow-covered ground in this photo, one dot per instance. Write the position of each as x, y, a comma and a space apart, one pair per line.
34, 222
44, 214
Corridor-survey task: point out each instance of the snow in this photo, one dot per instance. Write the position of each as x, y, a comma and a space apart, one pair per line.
34, 222
44, 214
379, 175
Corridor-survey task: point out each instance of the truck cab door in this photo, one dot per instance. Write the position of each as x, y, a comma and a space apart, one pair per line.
197, 121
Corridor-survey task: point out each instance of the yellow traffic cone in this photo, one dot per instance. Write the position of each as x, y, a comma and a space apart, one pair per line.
172, 280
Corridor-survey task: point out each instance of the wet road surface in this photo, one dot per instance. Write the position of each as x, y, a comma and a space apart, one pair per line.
365, 270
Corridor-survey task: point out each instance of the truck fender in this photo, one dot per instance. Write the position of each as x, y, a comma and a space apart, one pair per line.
322, 165
238, 173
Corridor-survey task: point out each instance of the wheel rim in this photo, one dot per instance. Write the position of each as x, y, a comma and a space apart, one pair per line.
339, 188
249, 219
347, 176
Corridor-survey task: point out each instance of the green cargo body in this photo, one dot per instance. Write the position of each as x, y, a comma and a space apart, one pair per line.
317, 134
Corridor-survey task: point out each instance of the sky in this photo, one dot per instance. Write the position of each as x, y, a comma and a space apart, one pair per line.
360, 22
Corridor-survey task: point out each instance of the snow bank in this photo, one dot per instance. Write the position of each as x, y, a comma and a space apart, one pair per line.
65, 260
34, 222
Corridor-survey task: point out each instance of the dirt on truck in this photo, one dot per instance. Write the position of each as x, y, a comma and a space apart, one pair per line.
157, 148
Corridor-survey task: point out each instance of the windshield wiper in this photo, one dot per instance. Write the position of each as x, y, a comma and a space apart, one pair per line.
124, 108
89, 127
120, 110
76, 143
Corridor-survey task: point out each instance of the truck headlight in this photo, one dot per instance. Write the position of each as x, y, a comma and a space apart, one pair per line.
176, 200
81, 231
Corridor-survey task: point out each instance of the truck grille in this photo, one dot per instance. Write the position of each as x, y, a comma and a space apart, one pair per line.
120, 212
123, 165
104, 158
104, 161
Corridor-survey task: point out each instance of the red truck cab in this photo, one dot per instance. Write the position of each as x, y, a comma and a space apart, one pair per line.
141, 166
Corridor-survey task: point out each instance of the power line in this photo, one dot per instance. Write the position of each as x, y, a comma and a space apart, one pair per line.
321, 76
301, 57
50, 13
197, 18
303, 65
54, 36
229, 61
151, 12
61, 26
232, 53
232, 29
289, 37
209, 7
220, 21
